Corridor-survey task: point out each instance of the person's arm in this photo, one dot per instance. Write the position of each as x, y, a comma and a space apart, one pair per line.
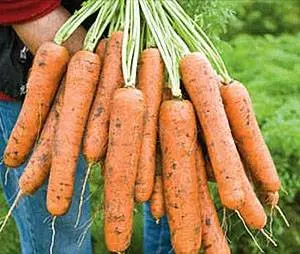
34, 33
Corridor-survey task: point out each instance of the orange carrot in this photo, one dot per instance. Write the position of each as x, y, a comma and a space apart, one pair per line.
38, 167
214, 240
151, 81
177, 123
157, 203
48, 68
202, 86
252, 211
81, 81
124, 147
111, 78
248, 136
270, 199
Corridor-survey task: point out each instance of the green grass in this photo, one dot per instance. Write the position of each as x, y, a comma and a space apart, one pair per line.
269, 67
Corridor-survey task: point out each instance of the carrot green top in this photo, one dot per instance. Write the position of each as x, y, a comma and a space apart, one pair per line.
88, 8
131, 42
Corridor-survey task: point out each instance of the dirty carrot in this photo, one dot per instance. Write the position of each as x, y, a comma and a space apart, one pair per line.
38, 167
48, 68
157, 203
213, 238
200, 82
95, 141
81, 81
150, 81
124, 146
177, 124
270, 199
248, 136
252, 210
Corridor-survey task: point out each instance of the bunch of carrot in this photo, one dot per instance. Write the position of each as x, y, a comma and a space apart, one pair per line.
111, 99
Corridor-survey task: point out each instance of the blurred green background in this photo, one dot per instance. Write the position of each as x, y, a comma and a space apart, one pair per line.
260, 43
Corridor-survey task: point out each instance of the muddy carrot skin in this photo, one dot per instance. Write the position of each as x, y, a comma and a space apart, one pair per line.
124, 147
248, 136
252, 210
48, 68
177, 125
213, 238
81, 81
157, 200
202, 86
111, 78
151, 81
38, 167
157, 203
270, 199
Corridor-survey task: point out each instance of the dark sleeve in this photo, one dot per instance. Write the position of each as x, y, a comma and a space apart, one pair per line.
17, 11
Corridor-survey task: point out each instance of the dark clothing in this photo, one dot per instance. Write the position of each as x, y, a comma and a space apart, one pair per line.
15, 59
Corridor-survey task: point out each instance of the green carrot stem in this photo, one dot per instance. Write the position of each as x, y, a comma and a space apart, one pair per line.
104, 17
131, 42
164, 47
194, 36
88, 8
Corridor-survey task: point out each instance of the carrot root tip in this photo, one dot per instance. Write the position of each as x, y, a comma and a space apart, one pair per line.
282, 215
85, 231
6, 176
13, 206
53, 235
82, 194
269, 238
249, 232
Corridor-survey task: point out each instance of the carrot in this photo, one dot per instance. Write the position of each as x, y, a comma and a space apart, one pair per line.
200, 82
252, 211
214, 240
178, 139
270, 199
248, 136
157, 203
124, 147
38, 167
81, 81
48, 67
151, 81
96, 137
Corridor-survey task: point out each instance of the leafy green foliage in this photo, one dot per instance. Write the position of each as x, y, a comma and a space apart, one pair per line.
262, 17
212, 15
